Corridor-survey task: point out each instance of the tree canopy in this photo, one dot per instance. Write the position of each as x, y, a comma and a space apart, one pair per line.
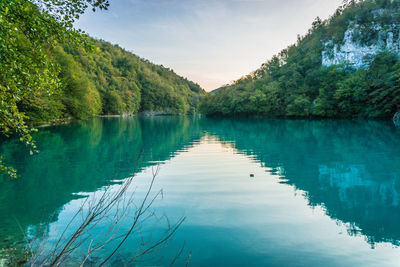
50, 71
28, 29
294, 83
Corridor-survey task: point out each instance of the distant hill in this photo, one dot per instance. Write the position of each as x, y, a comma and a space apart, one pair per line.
213, 92
111, 81
346, 66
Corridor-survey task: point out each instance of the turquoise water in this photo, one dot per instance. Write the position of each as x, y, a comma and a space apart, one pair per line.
323, 192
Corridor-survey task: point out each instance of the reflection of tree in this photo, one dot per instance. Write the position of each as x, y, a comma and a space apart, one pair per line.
346, 178
81, 157
352, 168
115, 209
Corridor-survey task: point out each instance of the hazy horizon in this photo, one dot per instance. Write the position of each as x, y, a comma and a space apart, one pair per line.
210, 42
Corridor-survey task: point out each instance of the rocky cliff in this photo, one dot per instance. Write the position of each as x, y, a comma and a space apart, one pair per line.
363, 41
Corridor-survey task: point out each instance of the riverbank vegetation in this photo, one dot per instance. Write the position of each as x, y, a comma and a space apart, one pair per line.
109, 80
296, 84
51, 72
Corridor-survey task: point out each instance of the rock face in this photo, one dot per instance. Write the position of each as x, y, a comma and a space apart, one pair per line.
352, 51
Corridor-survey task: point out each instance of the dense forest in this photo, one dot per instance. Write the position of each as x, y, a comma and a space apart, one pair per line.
52, 72
87, 77
110, 80
295, 83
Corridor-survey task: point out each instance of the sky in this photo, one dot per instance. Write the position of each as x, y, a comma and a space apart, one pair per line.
211, 42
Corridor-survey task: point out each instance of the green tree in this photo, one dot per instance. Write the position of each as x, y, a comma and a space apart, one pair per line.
28, 29
295, 83
352, 94
384, 91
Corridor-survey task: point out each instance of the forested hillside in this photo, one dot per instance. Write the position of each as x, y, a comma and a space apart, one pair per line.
85, 77
110, 80
322, 74
50, 72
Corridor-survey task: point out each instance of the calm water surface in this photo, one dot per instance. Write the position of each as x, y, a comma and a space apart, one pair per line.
323, 192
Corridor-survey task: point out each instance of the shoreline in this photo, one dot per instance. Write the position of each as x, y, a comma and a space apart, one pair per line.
162, 114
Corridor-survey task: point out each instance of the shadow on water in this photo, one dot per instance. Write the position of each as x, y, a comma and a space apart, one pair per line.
351, 168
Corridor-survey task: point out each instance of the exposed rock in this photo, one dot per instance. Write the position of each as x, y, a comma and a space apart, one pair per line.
351, 51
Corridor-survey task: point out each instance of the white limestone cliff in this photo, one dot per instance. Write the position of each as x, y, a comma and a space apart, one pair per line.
354, 53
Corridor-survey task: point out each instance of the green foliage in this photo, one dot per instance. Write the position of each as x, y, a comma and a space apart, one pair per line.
28, 76
25, 68
43, 82
351, 94
80, 97
128, 84
295, 84
384, 89
7, 170
300, 106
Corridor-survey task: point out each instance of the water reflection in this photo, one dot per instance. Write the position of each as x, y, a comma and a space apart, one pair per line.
80, 157
349, 168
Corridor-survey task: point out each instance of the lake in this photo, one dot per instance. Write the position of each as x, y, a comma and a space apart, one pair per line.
253, 192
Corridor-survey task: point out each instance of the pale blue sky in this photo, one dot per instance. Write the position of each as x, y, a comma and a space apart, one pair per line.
211, 42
